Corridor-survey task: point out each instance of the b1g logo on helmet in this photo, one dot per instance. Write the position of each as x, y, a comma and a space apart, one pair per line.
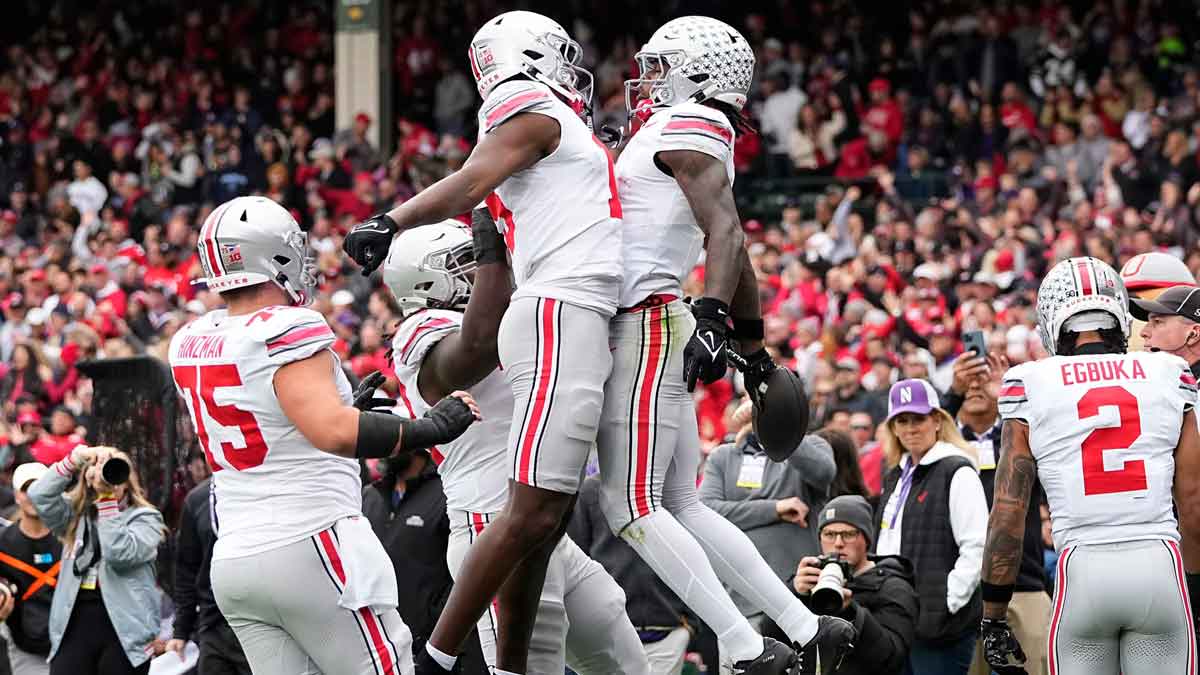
231, 256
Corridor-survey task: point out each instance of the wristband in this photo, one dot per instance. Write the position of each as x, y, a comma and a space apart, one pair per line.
486, 241
378, 434
711, 308
1001, 593
747, 329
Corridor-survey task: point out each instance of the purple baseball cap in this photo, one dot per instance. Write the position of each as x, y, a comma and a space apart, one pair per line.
912, 396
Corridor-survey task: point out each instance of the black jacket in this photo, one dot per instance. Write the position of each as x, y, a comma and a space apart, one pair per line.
884, 612
195, 608
415, 531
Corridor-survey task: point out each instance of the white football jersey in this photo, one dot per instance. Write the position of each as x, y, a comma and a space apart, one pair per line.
1103, 429
473, 466
272, 486
561, 217
660, 239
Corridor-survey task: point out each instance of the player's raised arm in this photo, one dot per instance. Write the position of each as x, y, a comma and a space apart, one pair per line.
515, 144
309, 397
1187, 492
462, 359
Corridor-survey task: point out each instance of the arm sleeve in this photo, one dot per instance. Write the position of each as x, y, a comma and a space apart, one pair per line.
694, 127
1014, 401
814, 462
128, 540
46, 493
511, 99
968, 522
295, 335
747, 514
188, 558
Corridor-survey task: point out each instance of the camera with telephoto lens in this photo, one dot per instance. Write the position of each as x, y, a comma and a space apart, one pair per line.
827, 594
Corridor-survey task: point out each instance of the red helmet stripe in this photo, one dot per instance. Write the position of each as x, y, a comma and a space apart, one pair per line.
1085, 280
208, 239
474, 66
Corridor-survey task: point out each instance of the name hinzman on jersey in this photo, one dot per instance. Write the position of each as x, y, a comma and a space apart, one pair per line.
1102, 371
201, 347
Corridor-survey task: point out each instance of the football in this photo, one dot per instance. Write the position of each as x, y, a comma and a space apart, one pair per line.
781, 415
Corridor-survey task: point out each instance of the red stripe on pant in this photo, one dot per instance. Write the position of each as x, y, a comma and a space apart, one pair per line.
1180, 577
545, 372
645, 399
477, 525
369, 619
1061, 581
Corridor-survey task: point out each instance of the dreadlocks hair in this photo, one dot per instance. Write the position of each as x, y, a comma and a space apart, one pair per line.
736, 117
1114, 341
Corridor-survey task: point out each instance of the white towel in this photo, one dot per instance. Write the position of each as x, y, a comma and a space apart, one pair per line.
370, 577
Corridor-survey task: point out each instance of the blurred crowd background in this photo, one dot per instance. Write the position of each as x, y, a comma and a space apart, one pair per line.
919, 166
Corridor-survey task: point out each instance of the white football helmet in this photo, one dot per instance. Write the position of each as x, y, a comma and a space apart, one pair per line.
1076, 286
253, 240
527, 43
693, 58
429, 266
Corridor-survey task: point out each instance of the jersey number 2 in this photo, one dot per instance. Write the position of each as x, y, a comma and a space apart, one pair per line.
199, 383
1132, 476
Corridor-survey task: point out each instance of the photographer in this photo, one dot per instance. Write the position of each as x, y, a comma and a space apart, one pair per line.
29, 560
878, 597
105, 613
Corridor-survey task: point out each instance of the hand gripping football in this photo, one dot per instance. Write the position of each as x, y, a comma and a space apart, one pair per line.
781, 414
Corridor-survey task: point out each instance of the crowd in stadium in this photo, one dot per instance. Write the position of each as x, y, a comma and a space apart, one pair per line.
918, 168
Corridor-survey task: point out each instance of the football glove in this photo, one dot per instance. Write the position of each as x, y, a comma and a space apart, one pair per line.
756, 369
1001, 649
364, 394
368, 242
704, 356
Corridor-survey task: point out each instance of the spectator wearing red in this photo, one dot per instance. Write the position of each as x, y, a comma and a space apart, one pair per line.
1015, 113
863, 154
60, 440
884, 113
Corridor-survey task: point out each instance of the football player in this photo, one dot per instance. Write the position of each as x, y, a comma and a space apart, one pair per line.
296, 570
549, 183
453, 298
675, 179
1110, 435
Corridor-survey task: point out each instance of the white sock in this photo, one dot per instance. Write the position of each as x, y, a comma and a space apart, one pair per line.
679, 561
739, 564
497, 671
443, 659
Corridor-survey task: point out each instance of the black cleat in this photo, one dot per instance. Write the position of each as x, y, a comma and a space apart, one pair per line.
424, 664
824, 653
776, 659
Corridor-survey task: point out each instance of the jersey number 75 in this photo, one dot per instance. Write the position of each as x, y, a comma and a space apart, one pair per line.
198, 384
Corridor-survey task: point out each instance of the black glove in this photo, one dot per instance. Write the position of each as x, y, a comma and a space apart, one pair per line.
487, 244
755, 369
443, 423
1001, 649
704, 356
369, 241
364, 394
